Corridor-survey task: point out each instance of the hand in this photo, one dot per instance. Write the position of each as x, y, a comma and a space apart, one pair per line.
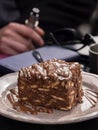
17, 38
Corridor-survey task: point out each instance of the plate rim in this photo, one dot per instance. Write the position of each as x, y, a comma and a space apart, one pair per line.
37, 121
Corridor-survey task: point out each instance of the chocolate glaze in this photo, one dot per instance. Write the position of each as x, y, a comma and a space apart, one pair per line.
91, 96
25, 108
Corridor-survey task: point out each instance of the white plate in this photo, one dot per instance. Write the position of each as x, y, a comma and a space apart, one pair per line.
79, 113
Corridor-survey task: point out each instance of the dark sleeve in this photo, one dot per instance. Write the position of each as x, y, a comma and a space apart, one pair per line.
65, 13
8, 12
54, 14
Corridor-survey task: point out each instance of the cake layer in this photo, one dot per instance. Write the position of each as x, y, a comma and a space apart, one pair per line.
55, 84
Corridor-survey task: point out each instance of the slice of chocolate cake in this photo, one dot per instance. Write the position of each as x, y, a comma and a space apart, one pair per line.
52, 84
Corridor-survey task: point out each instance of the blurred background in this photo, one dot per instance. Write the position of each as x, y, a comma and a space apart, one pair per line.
92, 25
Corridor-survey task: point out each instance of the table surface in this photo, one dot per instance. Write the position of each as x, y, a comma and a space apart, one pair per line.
91, 124
9, 124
